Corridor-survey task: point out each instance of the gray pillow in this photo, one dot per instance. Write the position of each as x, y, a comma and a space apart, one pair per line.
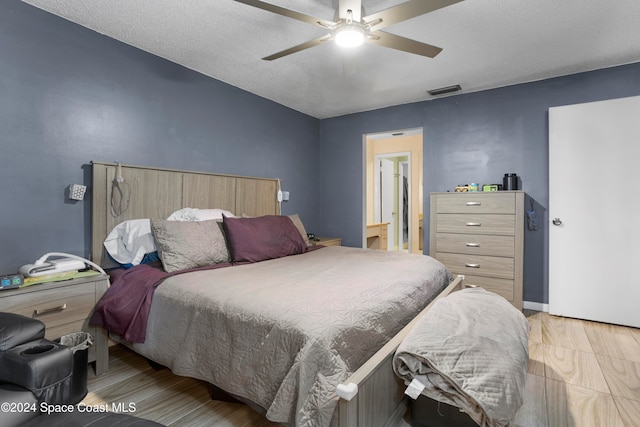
183, 245
300, 226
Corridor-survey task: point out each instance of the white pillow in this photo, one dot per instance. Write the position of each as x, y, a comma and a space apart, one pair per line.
130, 241
196, 214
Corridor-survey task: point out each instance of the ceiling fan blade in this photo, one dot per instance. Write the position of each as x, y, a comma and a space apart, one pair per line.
289, 13
404, 44
404, 11
298, 48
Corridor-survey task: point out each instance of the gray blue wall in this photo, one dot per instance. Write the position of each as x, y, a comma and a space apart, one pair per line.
69, 95
474, 137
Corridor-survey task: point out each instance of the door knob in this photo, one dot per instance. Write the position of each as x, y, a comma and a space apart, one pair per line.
557, 221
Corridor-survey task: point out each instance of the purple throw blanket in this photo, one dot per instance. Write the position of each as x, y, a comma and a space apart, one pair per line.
124, 308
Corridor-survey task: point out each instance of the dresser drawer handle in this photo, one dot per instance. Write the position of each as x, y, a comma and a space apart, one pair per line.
474, 203
472, 265
474, 224
473, 245
50, 310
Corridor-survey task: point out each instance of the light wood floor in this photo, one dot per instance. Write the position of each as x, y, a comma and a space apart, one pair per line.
160, 396
580, 374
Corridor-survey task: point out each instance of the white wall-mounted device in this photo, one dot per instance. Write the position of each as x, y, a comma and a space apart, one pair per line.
76, 191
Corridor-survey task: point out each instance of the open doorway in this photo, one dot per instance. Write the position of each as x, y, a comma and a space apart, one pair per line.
393, 195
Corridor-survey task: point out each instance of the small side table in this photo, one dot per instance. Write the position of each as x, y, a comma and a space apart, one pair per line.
64, 307
328, 241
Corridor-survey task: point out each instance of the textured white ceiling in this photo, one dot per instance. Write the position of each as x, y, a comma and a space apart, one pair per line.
487, 44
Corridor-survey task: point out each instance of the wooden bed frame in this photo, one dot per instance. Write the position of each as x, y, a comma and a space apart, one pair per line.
373, 395
379, 398
155, 193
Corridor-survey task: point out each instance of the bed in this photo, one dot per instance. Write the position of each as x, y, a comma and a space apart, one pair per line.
329, 336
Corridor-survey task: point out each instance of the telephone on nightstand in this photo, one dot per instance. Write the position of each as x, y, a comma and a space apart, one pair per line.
65, 262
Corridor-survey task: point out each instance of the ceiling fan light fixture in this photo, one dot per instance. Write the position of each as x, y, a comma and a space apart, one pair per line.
349, 29
349, 35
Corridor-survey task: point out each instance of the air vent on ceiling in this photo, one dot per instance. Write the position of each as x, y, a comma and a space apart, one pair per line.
443, 90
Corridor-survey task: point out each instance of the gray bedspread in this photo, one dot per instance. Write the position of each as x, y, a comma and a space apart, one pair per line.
284, 333
470, 351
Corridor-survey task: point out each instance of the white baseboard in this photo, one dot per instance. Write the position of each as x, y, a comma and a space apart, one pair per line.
536, 306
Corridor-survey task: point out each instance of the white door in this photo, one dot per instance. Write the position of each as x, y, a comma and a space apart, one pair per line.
594, 207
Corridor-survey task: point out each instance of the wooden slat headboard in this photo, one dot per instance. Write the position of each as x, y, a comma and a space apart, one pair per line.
155, 193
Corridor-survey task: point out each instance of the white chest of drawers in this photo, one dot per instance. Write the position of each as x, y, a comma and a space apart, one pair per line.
481, 235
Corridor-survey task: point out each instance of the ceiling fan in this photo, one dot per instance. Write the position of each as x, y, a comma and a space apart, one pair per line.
351, 28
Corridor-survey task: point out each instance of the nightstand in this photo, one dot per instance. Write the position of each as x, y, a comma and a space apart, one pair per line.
64, 307
328, 241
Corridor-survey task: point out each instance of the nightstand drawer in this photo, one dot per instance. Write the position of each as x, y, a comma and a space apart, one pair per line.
488, 266
55, 332
476, 224
69, 306
470, 203
476, 244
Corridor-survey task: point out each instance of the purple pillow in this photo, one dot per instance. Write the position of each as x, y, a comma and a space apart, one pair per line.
261, 238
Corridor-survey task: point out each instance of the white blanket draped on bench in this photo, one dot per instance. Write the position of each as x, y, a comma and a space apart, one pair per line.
470, 351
